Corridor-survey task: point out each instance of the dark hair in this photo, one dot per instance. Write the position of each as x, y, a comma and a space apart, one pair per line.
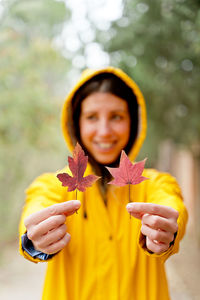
106, 83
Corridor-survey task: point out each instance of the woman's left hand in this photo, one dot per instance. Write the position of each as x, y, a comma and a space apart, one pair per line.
159, 224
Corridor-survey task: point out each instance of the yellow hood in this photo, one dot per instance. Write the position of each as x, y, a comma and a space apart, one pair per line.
87, 75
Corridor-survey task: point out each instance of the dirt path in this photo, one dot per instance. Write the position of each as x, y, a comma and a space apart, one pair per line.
183, 271
19, 278
23, 280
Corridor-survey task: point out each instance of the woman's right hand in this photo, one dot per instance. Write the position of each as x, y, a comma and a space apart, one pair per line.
47, 229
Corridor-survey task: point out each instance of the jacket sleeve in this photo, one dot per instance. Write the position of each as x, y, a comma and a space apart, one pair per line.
46, 190
163, 189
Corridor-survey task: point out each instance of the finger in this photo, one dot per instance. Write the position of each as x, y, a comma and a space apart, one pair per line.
157, 222
158, 235
50, 224
157, 248
67, 208
51, 237
138, 209
36, 231
59, 245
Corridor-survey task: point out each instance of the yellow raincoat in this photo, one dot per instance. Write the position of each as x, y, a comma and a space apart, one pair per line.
106, 258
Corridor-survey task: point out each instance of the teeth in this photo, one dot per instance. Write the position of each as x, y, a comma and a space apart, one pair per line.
105, 145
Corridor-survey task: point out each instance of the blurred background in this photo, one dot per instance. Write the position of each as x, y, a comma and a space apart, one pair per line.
44, 46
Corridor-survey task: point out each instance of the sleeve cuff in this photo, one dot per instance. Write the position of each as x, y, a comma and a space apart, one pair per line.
28, 247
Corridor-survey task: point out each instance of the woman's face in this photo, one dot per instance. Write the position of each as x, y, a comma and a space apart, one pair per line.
104, 126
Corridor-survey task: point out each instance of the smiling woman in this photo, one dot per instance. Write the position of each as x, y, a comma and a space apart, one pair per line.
102, 253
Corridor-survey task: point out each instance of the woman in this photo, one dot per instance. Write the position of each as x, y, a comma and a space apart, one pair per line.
102, 253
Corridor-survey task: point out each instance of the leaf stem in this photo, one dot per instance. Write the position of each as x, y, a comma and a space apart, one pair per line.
76, 199
129, 195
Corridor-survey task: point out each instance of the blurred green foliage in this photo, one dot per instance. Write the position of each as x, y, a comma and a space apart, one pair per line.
32, 75
158, 44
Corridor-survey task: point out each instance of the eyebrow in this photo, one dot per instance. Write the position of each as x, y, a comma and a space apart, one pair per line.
112, 111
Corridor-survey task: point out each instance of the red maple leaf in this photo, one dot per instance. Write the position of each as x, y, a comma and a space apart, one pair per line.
127, 172
77, 165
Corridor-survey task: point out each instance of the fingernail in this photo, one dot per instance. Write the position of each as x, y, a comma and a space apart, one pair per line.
76, 203
128, 206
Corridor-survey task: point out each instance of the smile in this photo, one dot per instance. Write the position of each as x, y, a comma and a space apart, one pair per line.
105, 146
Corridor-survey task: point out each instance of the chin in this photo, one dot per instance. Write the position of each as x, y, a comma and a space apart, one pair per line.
105, 161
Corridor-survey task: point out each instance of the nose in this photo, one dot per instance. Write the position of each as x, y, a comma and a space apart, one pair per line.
104, 128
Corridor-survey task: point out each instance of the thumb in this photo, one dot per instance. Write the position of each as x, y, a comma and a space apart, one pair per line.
133, 213
64, 208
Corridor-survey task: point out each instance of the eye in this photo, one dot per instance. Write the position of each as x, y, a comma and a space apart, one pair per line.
116, 117
92, 117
